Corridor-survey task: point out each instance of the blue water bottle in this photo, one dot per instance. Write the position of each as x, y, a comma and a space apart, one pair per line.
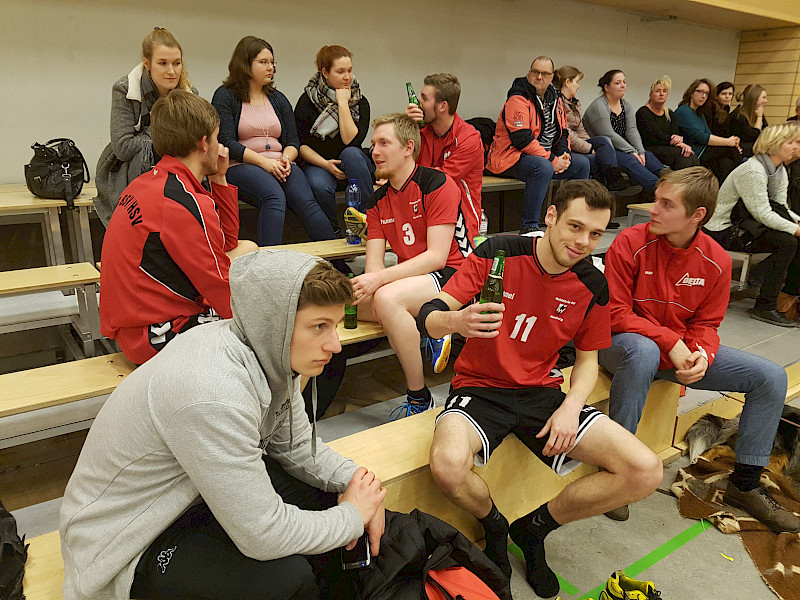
352, 196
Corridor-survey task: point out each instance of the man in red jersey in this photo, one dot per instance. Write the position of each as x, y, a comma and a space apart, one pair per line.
450, 144
169, 244
506, 380
670, 286
416, 211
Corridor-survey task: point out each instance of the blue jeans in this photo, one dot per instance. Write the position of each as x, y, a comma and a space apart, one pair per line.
634, 359
537, 172
355, 165
260, 189
604, 156
644, 175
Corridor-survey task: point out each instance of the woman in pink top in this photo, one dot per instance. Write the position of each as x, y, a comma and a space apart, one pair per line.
257, 125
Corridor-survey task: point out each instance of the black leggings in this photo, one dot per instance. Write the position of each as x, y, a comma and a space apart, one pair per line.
194, 559
784, 253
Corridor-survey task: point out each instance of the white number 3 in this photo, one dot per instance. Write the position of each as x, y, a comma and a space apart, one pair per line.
528, 326
408, 238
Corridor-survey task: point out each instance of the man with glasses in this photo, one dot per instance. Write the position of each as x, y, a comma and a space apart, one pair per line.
531, 142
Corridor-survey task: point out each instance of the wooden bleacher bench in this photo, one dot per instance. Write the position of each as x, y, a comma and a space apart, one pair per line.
80, 277
44, 570
48, 401
398, 452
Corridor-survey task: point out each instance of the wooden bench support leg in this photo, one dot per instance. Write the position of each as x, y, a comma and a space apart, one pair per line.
54, 241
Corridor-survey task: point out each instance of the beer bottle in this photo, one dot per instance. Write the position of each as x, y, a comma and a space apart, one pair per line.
350, 314
492, 290
412, 99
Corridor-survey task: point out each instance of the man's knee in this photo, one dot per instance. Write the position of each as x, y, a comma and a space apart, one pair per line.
642, 470
304, 580
632, 349
450, 466
385, 301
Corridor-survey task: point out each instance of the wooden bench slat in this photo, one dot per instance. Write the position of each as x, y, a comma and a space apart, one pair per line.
25, 391
47, 278
365, 331
44, 571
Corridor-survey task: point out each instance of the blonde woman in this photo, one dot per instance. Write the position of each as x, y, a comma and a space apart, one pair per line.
659, 129
762, 183
130, 152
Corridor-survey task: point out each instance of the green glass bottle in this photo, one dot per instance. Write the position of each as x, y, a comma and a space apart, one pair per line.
492, 290
350, 314
412, 99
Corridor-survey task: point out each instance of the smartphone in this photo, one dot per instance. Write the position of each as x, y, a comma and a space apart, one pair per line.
359, 557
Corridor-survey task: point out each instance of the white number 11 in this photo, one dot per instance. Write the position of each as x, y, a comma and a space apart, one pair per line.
528, 326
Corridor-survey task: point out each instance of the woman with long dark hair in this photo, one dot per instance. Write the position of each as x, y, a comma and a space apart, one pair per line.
257, 125
747, 121
612, 116
697, 108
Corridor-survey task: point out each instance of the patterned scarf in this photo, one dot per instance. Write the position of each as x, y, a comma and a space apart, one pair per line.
324, 98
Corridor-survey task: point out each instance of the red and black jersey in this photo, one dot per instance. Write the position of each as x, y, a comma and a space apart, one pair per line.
542, 313
164, 258
402, 217
459, 153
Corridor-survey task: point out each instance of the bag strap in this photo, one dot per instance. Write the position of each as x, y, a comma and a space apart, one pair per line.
68, 186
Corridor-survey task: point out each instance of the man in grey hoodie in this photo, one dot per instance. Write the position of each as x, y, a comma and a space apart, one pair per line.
171, 497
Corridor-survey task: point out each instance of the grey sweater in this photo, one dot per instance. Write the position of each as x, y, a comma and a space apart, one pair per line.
756, 182
597, 120
193, 422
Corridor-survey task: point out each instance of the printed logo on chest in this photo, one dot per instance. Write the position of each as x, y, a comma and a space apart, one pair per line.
691, 281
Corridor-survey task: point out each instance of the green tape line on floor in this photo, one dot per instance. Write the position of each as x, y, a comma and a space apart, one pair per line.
656, 555
566, 586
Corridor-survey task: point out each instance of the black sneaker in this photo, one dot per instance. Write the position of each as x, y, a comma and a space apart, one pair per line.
627, 191
770, 316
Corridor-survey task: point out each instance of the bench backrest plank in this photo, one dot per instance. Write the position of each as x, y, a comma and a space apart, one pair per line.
24, 391
55, 277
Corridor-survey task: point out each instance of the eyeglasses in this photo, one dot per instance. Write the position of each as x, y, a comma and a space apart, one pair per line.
701, 92
536, 73
272, 63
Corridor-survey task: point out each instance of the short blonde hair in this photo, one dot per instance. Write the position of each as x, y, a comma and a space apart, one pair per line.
405, 128
773, 137
697, 186
664, 80
179, 120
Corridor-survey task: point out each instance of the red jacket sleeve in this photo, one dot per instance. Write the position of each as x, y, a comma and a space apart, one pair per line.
226, 199
701, 330
517, 117
198, 249
621, 272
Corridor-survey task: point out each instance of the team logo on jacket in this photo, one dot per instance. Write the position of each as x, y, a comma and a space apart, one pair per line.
561, 308
690, 281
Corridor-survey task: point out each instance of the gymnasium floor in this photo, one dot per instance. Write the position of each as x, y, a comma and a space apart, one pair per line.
684, 560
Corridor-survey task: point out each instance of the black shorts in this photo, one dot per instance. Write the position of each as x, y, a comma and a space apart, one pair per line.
442, 276
496, 412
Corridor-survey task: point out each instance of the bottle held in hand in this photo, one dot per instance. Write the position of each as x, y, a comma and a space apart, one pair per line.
492, 290
412, 99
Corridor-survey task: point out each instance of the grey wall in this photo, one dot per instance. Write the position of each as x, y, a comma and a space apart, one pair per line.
59, 59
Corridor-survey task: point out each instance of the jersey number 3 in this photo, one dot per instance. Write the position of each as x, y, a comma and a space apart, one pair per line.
408, 238
520, 319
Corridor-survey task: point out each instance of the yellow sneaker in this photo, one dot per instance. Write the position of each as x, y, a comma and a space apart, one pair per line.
621, 587
356, 222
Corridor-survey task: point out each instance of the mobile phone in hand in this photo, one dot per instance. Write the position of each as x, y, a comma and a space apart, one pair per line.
359, 557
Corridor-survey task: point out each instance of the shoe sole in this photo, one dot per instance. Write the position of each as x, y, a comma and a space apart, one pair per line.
358, 226
763, 320
440, 364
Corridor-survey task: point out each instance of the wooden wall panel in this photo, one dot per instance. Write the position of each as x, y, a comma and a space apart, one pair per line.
771, 57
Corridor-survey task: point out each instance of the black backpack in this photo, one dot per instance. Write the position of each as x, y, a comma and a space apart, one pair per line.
486, 127
12, 559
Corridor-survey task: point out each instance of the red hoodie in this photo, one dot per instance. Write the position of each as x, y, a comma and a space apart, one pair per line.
668, 293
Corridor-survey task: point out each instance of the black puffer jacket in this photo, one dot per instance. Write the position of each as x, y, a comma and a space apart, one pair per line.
416, 543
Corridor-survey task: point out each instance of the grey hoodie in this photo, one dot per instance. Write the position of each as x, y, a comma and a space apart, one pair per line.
193, 422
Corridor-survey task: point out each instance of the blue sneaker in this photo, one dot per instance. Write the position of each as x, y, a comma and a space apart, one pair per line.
412, 406
438, 352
